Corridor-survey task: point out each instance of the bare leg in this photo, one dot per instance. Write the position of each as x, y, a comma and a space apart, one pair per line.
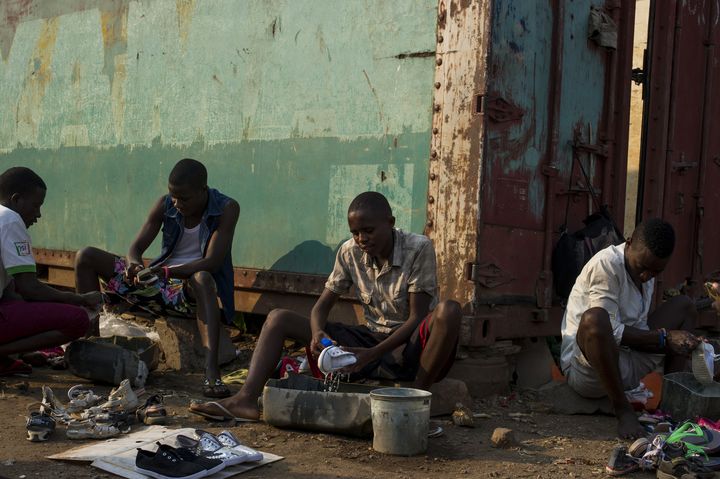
279, 325
202, 286
91, 264
596, 341
444, 329
676, 313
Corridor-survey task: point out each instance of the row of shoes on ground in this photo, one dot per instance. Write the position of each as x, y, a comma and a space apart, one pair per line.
673, 455
196, 457
87, 415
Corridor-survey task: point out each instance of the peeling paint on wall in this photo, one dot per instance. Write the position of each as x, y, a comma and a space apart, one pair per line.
273, 97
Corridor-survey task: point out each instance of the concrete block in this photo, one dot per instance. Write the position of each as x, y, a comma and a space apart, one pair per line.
181, 343
533, 365
446, 393
484, 376
564, 400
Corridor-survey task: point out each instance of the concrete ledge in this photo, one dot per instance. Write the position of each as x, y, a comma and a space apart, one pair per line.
181, 343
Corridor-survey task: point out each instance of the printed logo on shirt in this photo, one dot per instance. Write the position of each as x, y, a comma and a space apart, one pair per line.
23, 248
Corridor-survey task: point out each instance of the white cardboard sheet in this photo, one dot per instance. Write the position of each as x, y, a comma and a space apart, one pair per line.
117, 455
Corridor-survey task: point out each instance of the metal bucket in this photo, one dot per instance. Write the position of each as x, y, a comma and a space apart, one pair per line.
400, 419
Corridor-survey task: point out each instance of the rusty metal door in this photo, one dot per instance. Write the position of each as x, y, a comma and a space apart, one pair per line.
680, 162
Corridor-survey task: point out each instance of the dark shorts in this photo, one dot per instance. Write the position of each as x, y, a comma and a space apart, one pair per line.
401, 364
22, 319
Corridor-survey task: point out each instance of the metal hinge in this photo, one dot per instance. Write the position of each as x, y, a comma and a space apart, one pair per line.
638, 76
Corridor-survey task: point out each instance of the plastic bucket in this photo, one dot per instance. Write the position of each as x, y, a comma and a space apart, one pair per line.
400, 419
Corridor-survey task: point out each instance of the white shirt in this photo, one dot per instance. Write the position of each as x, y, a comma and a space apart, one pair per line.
187, 249
15, 247
605, 283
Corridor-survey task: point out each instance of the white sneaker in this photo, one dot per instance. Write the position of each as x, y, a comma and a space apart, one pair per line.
53, 407
228, 439
89, 429
122, 398
81, 399
334, 358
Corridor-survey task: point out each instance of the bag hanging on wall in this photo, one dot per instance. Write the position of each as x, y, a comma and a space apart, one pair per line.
574, 250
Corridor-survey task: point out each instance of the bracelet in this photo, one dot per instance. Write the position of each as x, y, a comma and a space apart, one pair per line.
166, 272
663, 338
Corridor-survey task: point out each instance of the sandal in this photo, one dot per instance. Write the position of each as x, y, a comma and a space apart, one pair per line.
14, 367
684, 468
153, 411
216, 390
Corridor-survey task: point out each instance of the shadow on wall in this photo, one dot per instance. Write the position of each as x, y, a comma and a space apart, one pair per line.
313, 256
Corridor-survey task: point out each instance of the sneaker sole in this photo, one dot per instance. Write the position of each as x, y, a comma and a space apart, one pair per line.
158, 475
38, 436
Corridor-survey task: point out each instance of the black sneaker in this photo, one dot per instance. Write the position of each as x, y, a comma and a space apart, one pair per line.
39, 426
212, 465
167, 464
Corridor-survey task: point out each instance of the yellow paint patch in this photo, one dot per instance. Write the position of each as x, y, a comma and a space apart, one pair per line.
185, 9
114, 27
44, 50
38, 77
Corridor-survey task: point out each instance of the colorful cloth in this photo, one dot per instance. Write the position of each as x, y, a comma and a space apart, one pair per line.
166, 296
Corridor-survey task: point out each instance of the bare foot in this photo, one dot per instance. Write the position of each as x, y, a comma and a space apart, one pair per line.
628, 425
236, 405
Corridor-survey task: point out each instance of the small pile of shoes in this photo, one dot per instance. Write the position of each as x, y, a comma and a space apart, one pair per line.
196, 457
86, 415
688, 451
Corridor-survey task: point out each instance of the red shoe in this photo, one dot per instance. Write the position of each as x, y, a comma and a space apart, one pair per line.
14, 367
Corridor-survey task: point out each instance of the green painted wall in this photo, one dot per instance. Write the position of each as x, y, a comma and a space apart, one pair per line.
294, 106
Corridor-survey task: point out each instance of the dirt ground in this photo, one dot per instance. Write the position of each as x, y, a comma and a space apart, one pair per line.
549, 446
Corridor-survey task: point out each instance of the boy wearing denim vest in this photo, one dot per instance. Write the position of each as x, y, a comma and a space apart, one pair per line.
194, 268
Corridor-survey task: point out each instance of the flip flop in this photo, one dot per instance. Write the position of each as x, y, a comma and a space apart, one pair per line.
225, 415
14, 367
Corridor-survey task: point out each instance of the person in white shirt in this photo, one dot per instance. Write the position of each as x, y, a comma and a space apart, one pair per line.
33, 315
609, 338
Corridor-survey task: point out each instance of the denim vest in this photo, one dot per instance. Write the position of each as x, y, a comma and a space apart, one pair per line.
172, 229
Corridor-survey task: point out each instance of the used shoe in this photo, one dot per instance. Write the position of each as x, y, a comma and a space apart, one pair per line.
52, 406
153, 412
90, 429
333, 358
621, 462
81, 399
228, 439
208, 446
211, 465
167, 463
40, 426
691, 467
122, 398
14, 367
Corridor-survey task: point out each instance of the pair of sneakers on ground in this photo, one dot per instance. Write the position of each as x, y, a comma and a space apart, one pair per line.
196, 457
